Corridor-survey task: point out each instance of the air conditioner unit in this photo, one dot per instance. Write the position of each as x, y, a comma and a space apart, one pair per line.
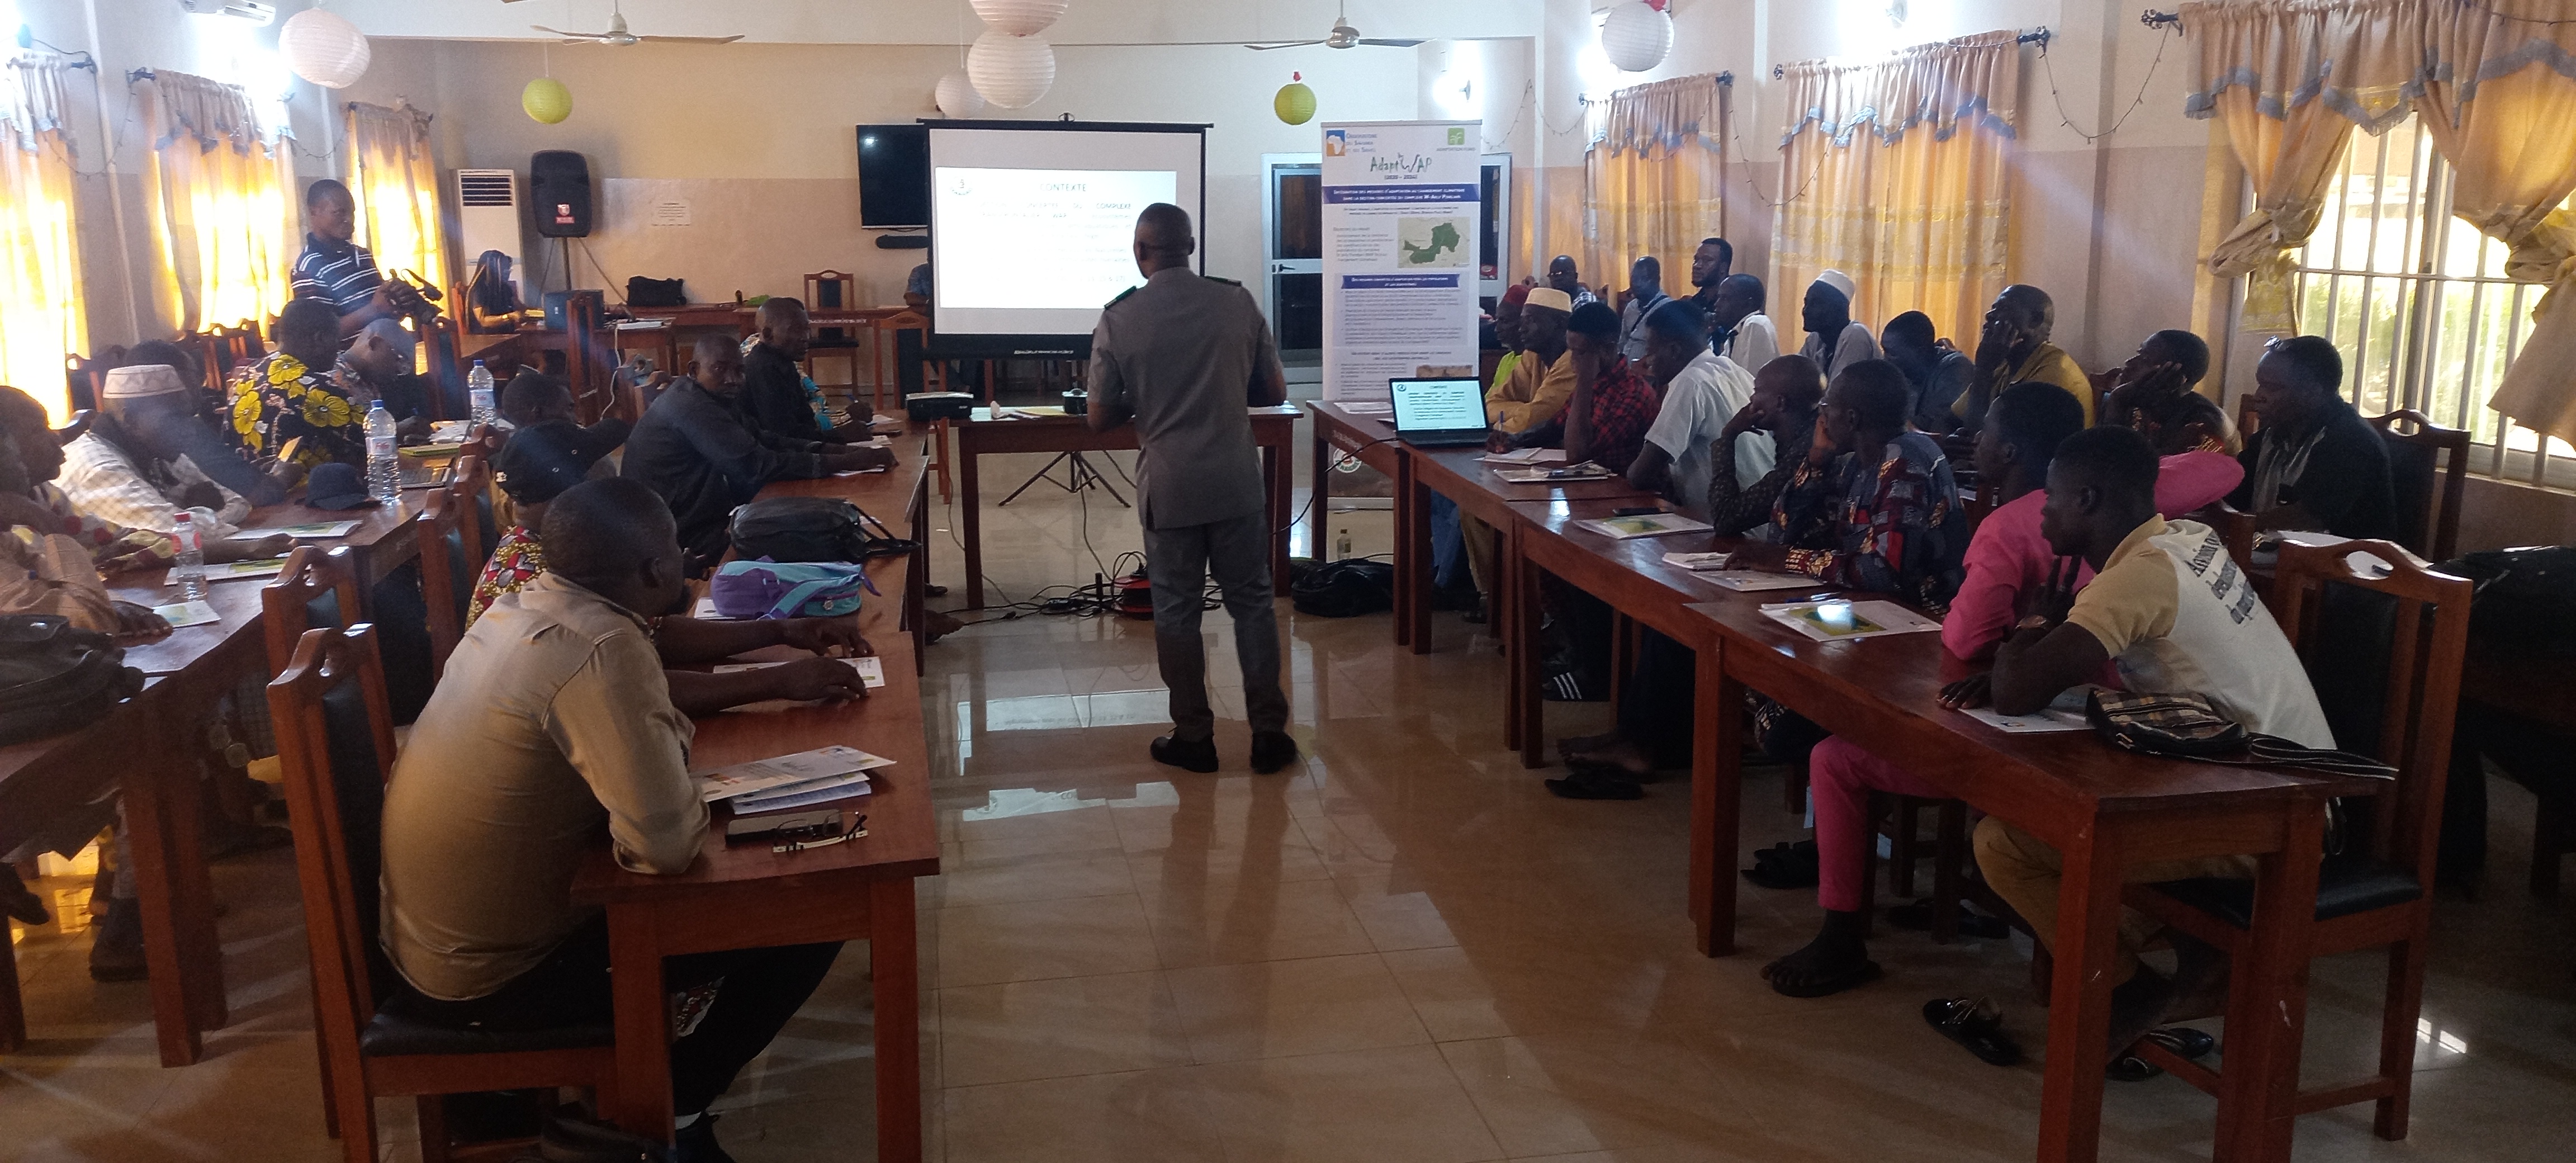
250, 10
488, 218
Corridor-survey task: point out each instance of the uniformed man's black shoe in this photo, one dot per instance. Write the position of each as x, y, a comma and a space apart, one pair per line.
1272, 750
1197, 755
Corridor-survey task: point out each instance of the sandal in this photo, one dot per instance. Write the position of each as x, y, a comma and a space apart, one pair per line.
1785, 866
1918, 917
1975, 1023
1591, 784
1851, 977
1568, 686
2182, 1041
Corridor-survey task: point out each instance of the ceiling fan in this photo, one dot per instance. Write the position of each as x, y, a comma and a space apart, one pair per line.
1342, 36
618, 35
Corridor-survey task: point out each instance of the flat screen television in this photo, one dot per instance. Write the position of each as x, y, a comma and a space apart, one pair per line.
894, 176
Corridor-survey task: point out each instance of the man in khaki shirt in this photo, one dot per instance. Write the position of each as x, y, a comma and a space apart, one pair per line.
1542, 380
554, 718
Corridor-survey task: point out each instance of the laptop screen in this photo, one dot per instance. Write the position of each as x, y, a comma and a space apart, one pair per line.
1438, 405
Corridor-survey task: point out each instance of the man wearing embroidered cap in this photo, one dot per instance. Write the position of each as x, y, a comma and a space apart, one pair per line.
1542, 380
1834, 341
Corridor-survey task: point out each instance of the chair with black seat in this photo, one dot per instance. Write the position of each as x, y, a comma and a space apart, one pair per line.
2428, 470
2376, 891
452, 551
834, 291
335, 746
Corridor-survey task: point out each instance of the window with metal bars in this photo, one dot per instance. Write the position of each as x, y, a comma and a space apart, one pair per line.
2419, 304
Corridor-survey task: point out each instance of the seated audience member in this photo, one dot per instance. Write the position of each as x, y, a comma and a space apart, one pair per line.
2014, 349
289, 411
1542, 379
166, 417
1612, 406
492, 301
1457, 575
1710, 265
1645, 293
1562, 276
2314, 463
2167, 606
1738, 329
2153, 394
1507, 332
1834, 340
109, 472
1936, 374
702, 457
1874, 507
777, 395
113, 546
377, 366
554, 720
532, 398
1702, 392
1786, 395
2011, 571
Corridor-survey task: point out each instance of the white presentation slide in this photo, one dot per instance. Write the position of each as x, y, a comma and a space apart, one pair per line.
1032, 229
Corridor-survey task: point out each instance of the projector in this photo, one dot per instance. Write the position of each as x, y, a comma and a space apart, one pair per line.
250, 10
926, 406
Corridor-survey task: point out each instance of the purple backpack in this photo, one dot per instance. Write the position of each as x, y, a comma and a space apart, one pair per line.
793, 589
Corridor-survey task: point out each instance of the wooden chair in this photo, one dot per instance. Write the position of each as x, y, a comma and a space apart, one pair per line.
2235, 530
452, 551
888, 369
2378, 892
84, 376
2416, 460
295, 600
834, 291
335, 746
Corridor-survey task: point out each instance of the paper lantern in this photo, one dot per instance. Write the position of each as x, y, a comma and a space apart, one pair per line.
323, 48
546, 100
1295, 103
957, 97
1011, 71
1019, 17
1636, 37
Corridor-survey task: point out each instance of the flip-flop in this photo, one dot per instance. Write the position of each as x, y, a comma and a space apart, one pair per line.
1582, 766
1590, 785
1918, 916
1976, 1024
1785, 866
1851, 976
2184, 1041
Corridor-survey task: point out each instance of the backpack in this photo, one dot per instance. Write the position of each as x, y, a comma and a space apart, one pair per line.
771, 589
811, 529
1344, 589
2526, 598
55, 677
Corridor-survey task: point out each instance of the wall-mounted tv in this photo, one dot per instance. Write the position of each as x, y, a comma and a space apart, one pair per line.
894, 176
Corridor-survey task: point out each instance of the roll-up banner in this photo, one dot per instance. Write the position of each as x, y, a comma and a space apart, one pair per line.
1399, 253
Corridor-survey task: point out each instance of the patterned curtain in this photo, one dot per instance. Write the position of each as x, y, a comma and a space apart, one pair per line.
395, 183
1654, 180
1895, 174
219, 196
42, 320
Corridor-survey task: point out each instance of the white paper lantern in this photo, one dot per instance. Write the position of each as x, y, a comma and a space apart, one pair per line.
323, 48
957, 96
1011, 71
1019, 17
1636, 37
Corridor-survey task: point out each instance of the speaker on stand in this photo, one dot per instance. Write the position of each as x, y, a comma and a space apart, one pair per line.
559, 196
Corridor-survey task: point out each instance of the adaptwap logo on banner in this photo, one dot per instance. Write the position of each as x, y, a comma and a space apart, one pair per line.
1400, 269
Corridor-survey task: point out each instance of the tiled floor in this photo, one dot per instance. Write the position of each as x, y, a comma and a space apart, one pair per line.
1402, 949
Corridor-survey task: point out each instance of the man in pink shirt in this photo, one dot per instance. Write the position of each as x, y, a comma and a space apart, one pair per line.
2010, 572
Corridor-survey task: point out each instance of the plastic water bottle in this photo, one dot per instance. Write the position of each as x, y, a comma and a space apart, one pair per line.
478, 394
384, 469
1342, 545
191, 571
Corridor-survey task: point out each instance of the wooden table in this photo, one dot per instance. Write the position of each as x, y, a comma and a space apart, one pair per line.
749, 897
1272, 431
1369, 438
2103, 809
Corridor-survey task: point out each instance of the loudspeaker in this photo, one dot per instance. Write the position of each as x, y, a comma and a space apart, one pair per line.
559, 193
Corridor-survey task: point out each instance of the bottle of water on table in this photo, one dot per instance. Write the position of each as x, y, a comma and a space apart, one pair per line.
384, 468
191, 570
478, 393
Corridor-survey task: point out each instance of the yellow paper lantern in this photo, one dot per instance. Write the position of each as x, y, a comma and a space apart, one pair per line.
1295, 103
546, 100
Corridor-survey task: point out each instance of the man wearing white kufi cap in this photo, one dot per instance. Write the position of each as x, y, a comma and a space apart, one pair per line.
1834, 340
119, 472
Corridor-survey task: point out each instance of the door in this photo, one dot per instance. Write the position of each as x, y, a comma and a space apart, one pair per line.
1292, 229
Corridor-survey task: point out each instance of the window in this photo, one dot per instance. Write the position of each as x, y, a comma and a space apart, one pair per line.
2419, 304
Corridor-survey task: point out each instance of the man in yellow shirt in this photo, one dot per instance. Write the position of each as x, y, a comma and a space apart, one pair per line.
1542, 380
2014, 349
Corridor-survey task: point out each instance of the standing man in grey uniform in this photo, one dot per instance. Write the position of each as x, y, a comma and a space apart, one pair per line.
1184, 357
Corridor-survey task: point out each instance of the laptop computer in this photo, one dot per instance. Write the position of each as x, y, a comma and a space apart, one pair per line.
1443, 412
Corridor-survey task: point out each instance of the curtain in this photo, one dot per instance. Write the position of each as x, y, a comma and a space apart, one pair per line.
2493, 83
219, 195
41, 314
396, 186
1654, 179
1895, 174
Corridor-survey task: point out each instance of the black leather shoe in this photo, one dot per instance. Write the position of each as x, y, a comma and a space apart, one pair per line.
1188, 755
1272, 750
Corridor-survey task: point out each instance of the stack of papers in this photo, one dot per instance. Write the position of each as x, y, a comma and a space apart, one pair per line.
1648, 525
1368, 407
1524, 458
792, 781
1586, 471
1711, 568
871, 675
2063, 713
184, 614
1836, 620
309, 531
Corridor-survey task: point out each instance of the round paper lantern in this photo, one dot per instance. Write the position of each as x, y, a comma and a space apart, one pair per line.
1636, 37
323, 48
1019, 17
957, 96
546, 100
1295, 103
1011, 71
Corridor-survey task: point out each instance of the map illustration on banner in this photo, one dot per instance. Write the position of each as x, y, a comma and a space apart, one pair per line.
1400, 274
